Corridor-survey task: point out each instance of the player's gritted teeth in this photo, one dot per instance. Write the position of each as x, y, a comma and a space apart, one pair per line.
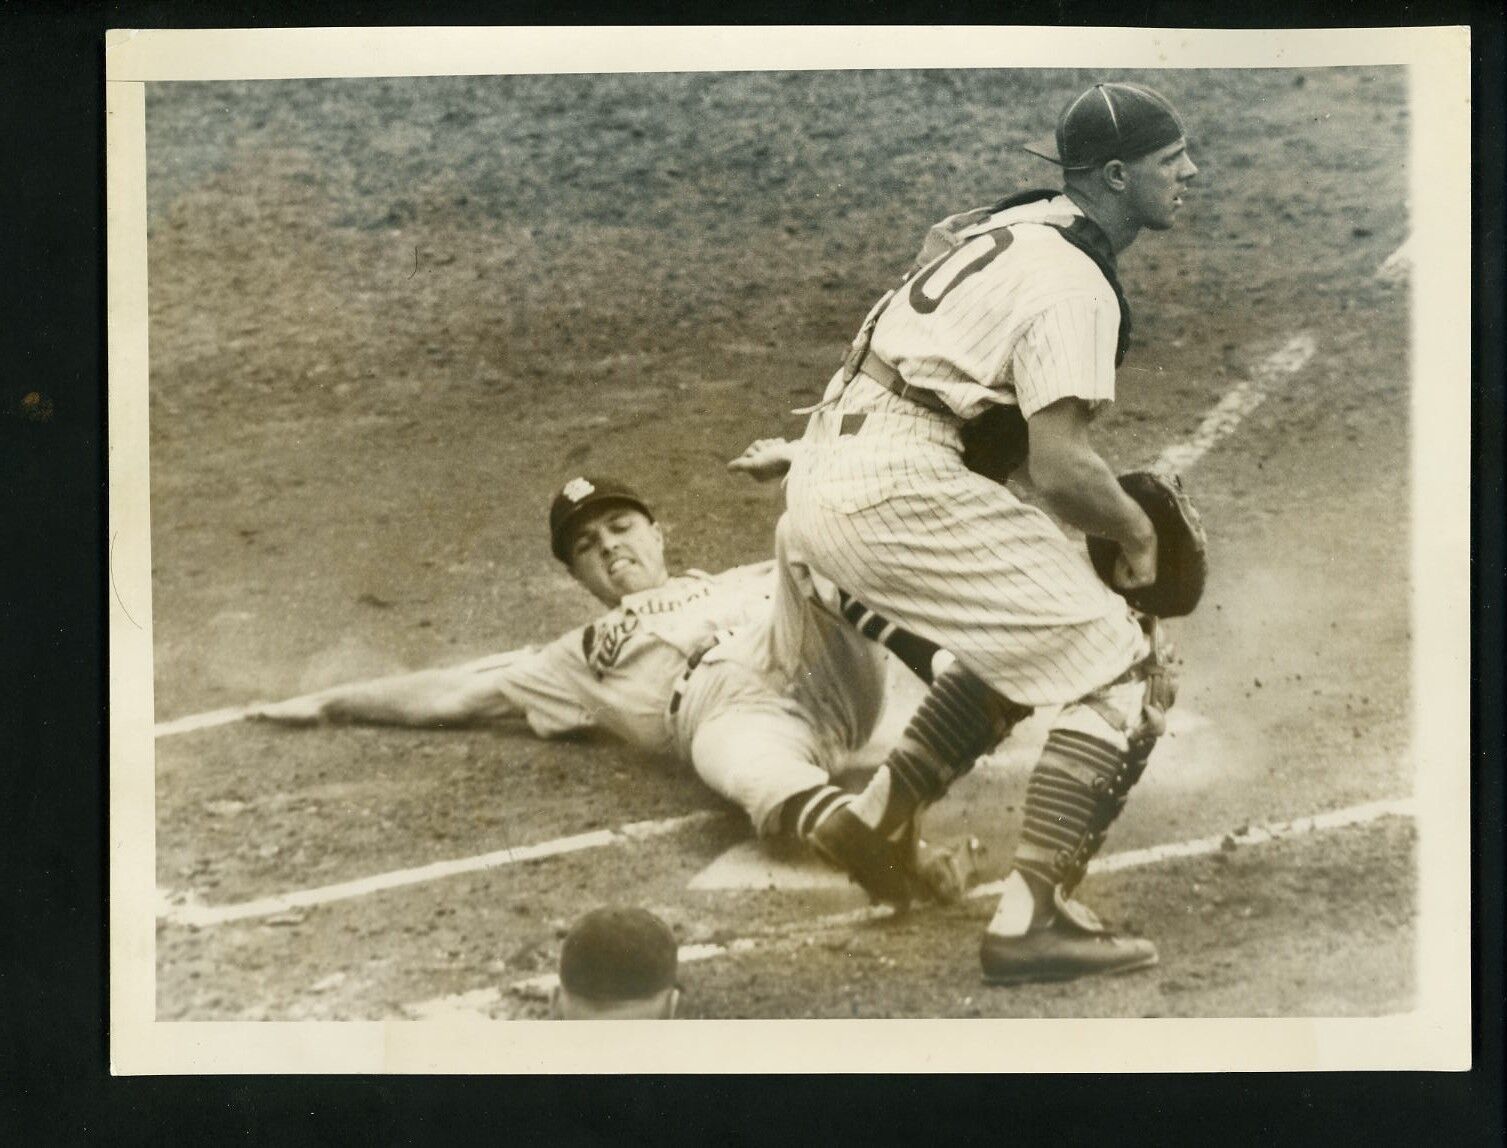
617, 551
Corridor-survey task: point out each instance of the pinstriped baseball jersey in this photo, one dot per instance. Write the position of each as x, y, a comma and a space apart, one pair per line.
1013, 314
891, 514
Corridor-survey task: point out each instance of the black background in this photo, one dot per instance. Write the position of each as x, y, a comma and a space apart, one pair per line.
55, 1086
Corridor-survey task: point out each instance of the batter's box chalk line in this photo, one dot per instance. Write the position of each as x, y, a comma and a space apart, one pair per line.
476, 1003
200, 721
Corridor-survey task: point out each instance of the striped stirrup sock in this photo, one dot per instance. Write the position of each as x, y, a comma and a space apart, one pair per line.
804, 811
912, 649
960, 719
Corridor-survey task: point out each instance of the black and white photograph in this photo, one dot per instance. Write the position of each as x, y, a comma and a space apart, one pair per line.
791, 542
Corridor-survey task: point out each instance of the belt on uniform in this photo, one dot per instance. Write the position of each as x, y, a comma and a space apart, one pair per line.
890, 379
677, 692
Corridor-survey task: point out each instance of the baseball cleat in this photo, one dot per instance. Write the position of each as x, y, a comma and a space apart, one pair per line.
881, 868
1072, 944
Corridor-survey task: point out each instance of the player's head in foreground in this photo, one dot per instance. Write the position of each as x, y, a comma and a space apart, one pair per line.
607, 535
1124, 155
617, 964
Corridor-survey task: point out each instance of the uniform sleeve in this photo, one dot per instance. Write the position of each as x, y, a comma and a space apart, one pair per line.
539, 684
1067, 350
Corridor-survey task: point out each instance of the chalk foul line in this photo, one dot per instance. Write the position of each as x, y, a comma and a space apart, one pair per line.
200, 721
196, 915
1231, 410
1396, 267
475, 1002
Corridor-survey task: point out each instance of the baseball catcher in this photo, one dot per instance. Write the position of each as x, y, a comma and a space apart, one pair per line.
995, 353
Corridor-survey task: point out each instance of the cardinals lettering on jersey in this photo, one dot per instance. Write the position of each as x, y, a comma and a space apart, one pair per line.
602, 642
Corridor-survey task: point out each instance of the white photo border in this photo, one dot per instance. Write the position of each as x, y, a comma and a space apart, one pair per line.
1435, 1036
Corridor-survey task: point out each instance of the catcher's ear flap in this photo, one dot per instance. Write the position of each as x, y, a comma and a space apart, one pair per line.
1181, 547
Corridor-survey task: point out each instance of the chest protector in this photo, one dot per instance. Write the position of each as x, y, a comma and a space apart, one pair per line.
995, 443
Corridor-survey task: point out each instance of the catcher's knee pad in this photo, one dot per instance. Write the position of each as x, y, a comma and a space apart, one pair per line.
960, 719
1107, 714
1130, 712
1097, 751
1074, 794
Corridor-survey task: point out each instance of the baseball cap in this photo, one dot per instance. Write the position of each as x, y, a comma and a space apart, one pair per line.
1110, 121
618, 954
581, 494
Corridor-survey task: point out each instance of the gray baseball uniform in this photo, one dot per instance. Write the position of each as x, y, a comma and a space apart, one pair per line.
746, 674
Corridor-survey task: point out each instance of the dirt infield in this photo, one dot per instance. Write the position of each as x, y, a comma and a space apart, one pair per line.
389, 317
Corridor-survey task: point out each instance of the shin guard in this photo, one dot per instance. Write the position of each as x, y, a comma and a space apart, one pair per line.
959, 720
1076, 791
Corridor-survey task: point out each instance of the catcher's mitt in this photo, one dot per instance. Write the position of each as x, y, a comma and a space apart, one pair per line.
1182, 561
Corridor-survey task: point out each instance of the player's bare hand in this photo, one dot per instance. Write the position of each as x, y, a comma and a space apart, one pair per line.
1136, 565
947, 872
764, 459
294, 711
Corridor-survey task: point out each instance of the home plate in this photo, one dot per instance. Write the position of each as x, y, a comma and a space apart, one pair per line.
754, 865
750, 865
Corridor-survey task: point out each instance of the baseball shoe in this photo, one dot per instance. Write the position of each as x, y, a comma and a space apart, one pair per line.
1072, 943
881, 868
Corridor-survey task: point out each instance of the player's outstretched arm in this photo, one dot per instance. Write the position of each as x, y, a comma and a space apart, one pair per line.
1079, 488
765, 458
427, 698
